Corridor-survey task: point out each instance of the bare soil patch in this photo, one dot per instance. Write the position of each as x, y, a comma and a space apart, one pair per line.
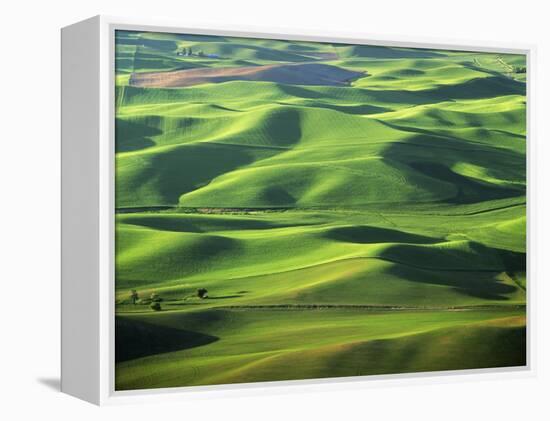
293, 74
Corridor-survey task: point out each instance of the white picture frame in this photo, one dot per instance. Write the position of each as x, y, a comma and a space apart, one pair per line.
88, 214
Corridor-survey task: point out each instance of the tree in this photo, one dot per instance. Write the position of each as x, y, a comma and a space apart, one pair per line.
202, 293
155, 298
155, 302
134, 296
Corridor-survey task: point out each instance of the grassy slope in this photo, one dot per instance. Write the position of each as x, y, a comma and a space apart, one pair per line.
260, 345
405, 190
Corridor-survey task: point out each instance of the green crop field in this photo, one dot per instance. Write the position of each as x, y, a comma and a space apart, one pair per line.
349, 210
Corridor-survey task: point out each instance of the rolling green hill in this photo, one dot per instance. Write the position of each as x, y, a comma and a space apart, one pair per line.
351, 210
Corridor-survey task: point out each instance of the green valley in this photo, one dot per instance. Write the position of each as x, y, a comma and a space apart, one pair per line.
348, 209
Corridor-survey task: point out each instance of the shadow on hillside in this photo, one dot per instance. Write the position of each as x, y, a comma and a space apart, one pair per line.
176, 223
479, 283
434, 157
361, 109
189, 167
133, 136
376, 51
276, 195
202, 38
468, 190
479, 88
364, 234
137, 339
451, 348
488, 87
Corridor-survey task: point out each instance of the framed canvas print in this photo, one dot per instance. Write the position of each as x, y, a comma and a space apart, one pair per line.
247, 208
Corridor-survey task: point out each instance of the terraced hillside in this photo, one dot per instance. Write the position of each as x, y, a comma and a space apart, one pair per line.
351, 210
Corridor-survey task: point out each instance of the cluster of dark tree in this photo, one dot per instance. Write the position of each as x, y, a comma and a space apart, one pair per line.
520, 69
155, 300
189, 52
